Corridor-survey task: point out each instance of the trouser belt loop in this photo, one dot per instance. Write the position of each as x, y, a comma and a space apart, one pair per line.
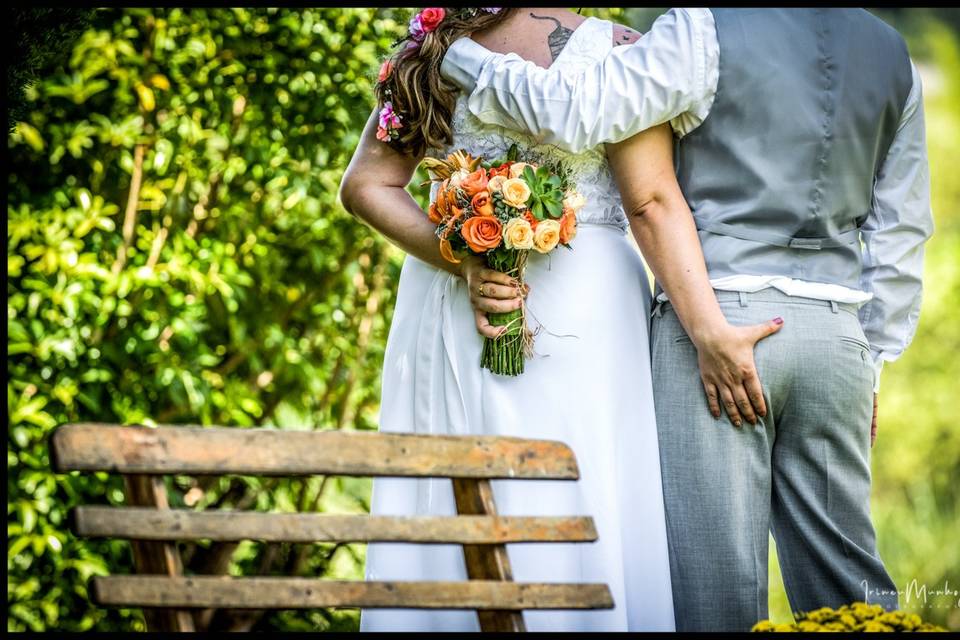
743, 299
834, 306
657, 309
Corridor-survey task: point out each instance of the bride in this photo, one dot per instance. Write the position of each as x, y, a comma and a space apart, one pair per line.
589, 382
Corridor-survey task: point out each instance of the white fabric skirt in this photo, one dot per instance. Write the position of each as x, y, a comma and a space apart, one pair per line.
588, 386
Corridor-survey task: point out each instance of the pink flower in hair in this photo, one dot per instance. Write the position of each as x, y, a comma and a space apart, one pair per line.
431, 17
389, 119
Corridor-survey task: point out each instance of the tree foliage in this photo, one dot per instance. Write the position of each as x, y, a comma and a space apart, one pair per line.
176, 254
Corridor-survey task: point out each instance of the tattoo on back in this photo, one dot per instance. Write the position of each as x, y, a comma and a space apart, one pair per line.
557, 39
624, 38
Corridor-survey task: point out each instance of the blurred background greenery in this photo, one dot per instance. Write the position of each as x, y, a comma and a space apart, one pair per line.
176, 254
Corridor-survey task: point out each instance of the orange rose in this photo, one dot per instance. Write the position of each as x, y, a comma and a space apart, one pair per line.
503, 170
532, 219
568, 226
482, 204
482, 233
474, 182
433, 214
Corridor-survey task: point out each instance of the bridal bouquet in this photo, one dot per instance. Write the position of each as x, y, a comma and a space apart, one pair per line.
502, 210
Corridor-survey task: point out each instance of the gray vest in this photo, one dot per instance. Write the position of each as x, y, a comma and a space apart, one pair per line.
780, 175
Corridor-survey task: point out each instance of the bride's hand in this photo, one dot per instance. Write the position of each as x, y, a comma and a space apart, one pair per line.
490, 292
729, 373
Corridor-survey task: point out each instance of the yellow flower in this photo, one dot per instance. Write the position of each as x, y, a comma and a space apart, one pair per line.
495, 184
822, 614
518, 234
763, 625
574, 200
516, 192
516, 169
547, 235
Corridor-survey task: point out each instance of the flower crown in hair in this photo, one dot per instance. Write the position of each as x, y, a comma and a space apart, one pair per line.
420, 25
430, 18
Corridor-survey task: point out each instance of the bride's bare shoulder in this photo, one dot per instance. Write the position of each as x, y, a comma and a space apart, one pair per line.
538, 35
624, 35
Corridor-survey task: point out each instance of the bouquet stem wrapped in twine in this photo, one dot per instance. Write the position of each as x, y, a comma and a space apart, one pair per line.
505, 355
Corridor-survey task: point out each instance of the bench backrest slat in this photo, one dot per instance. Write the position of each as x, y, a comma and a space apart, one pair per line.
307, 593
264, 452
140, 523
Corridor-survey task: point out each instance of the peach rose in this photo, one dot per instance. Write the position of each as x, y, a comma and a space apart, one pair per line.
568, 226
547, 235
474, 183
482, 233
516, 169
495, 183
516, 192
518, 234
482, 203
574, 200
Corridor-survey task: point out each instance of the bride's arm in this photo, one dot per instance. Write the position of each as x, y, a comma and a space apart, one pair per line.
664, 229
374, 189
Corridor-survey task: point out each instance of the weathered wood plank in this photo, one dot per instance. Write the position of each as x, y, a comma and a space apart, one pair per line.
156, 557
307, 593
223, 450
184, 524
486, 562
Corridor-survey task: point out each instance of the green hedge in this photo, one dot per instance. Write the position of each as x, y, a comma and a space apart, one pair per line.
177, 255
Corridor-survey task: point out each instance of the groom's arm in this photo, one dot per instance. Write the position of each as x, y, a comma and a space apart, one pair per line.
670, 74
894, 233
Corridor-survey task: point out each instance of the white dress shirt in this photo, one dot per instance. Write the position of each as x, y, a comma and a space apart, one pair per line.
671, 75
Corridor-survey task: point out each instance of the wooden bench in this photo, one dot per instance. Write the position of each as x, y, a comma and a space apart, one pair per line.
144, 455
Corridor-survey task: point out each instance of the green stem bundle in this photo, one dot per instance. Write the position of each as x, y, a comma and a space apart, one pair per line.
505, 355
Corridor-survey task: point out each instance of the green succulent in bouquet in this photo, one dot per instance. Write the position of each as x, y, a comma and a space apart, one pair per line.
546, 192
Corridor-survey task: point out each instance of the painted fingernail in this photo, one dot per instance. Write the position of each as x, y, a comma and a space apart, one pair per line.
736, 423
778, 320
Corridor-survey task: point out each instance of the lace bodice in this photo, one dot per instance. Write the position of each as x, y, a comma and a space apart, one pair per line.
588, 170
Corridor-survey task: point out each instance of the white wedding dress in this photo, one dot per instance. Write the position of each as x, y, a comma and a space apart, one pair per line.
588, 386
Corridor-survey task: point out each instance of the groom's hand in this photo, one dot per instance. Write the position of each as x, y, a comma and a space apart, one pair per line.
729, 373
873, 424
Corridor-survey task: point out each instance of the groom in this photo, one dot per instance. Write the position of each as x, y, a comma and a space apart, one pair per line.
801, 152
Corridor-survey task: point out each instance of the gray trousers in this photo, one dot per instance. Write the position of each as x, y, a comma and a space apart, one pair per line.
803, 472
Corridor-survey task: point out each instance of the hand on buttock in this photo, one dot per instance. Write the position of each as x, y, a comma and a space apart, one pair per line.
729, 373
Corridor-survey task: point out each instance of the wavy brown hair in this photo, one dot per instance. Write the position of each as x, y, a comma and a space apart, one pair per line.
423, 98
